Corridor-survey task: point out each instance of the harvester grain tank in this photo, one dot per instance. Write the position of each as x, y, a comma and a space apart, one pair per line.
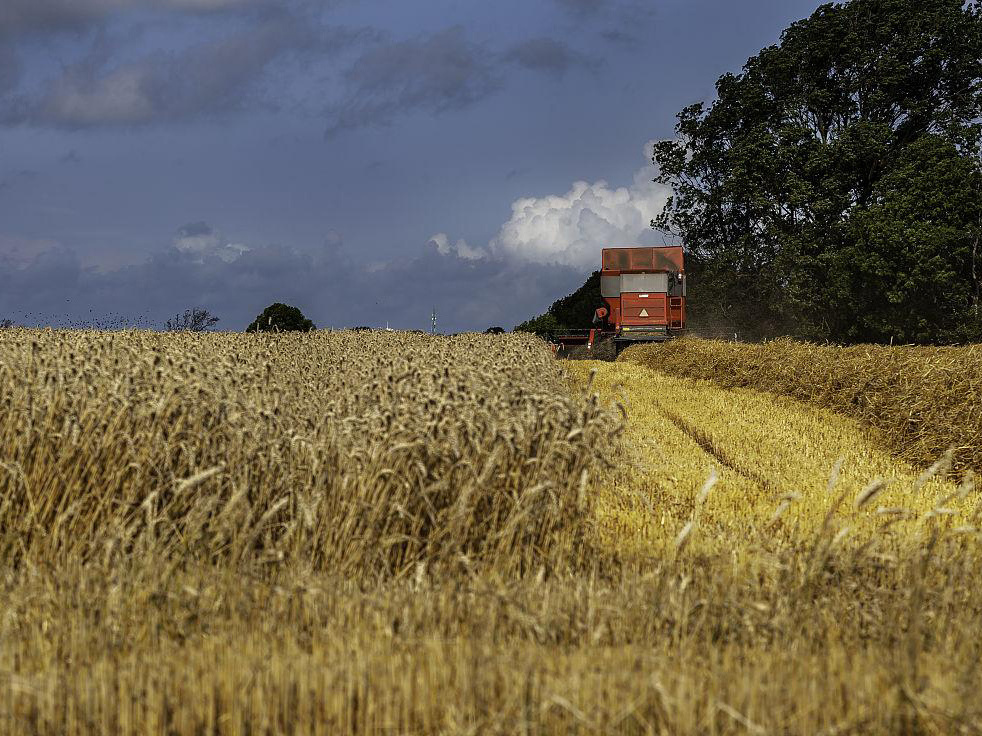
644, 295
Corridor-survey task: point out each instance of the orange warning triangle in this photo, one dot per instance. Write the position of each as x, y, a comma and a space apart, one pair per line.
644, 313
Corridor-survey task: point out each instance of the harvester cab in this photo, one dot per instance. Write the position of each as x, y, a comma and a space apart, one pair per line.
644, 295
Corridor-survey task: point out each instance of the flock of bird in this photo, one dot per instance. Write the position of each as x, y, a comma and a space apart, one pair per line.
110, 321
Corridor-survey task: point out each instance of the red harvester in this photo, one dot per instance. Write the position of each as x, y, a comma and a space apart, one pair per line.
644, 290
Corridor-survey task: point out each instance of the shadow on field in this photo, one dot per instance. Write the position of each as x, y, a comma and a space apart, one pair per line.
602, 350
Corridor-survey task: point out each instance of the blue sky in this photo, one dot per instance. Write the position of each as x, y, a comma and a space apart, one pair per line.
366, 160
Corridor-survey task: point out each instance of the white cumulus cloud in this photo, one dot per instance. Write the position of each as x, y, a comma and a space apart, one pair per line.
571, 228
460, 249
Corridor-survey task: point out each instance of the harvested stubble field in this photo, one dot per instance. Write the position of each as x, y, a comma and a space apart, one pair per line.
922, 401
351, 533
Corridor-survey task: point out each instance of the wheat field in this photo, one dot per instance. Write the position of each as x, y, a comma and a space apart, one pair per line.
343, 533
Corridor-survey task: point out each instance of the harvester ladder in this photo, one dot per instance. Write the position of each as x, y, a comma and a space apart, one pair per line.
675, 308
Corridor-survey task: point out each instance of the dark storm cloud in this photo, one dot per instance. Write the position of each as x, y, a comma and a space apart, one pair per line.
17, 177
620, 37
328, 286
195, 229
474, 294
55, 286
114, 83
10, 67
436, 73
583, 7
621, 20
54, 15
44, 284
214, 77
43, 15
545, 55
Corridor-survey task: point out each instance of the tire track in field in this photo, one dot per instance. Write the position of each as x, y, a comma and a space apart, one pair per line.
705, 441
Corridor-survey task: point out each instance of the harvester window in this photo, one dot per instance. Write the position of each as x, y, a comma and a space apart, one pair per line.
610, 286
646, 282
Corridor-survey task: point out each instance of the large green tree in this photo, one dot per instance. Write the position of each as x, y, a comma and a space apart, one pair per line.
833, 187
279, 317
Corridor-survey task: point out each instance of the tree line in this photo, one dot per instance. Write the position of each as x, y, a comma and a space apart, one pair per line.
277, 317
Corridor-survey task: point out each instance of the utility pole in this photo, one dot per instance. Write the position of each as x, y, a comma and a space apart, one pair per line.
433, 322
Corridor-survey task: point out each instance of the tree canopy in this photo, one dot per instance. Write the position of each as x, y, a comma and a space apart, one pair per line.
280, 318
834, 188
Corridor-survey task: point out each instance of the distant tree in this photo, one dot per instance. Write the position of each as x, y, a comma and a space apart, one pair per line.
5, 323
833, 184
281, 318
545, 325
494, 331
193, 320
573, 312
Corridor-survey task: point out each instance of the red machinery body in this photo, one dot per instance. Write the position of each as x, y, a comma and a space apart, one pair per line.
644, 289
644, 293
